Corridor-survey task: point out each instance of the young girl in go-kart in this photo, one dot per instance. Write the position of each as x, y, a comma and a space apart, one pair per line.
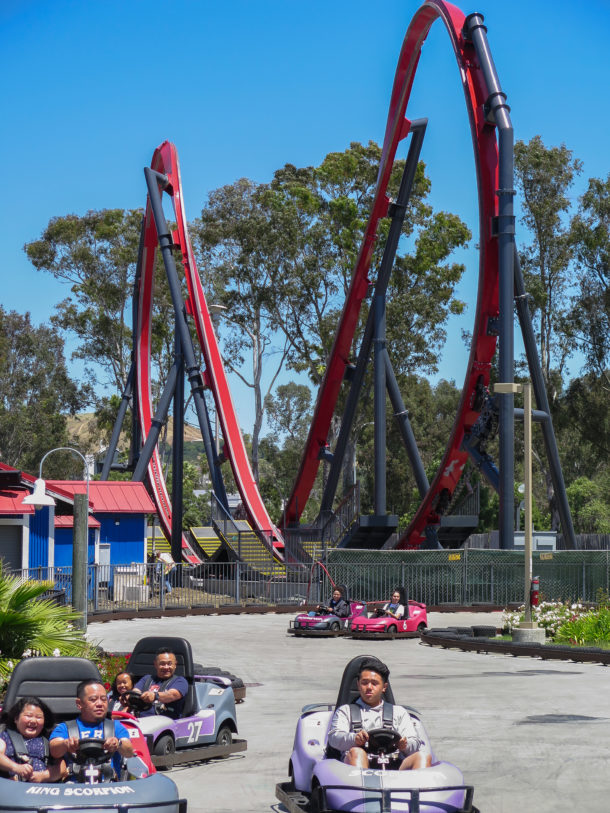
24, 746
117, 696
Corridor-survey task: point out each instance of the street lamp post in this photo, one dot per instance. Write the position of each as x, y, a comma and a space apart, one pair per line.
39, 498
528, 630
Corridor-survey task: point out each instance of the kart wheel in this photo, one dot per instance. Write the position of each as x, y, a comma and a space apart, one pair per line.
421, 627
225, 736
164, 746
335, 626
315, 801
393, 629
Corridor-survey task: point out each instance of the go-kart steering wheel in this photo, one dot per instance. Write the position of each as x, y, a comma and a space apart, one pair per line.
92, 751
383, 740
134, 700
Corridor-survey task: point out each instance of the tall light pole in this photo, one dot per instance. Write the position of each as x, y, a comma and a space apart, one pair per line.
528, 630
39, 498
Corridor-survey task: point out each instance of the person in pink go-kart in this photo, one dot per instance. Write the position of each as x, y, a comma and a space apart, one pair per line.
394, 608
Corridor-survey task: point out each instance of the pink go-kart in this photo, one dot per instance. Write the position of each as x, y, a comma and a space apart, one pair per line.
324, 622
375, 621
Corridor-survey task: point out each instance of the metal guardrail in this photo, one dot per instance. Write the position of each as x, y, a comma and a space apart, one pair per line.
446, 577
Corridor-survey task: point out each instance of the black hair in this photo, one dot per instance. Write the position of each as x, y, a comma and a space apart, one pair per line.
165, 650
113, 688
374, 665
9, 717
80, 689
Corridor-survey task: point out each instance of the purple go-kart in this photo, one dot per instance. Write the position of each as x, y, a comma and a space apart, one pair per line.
208, 723
321, 783
323, 622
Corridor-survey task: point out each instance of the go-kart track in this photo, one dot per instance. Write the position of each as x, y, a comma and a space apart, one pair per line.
529, 735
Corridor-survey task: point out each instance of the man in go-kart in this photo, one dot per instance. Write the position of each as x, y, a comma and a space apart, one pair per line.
91, 724
164, 691
349, 734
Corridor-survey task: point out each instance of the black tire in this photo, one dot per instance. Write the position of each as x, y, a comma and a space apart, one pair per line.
421, 627
164, 746
315, 801
335, 626
464, 630
224, 736
392, 629
484, 632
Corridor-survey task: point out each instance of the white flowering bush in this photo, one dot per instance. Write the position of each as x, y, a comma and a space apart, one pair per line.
550, 615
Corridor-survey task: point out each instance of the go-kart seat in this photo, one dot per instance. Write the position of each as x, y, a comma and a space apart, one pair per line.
142, 659
348, 690
53, 680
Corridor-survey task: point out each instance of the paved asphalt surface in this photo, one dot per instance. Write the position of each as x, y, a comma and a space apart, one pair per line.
531, 736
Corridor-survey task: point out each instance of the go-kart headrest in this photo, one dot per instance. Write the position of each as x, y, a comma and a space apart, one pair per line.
348, 690
142, 658
53, 680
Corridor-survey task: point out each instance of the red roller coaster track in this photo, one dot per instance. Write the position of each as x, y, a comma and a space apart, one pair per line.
165, 161
483, 341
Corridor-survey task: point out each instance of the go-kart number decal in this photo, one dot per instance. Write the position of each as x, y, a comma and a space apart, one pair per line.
216, 691
194, 730
366, 772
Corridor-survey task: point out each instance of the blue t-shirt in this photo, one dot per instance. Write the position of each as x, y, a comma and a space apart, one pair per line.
174, 710
95, 732
34, 746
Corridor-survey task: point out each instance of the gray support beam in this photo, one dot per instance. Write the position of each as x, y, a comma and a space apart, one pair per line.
397, 213
193, 373
406, 430
542, 402
178, 452
408, 439
157, 422
118, 425
498, 113
379, 427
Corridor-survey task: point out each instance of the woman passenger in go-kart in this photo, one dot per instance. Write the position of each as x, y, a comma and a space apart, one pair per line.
343, 736
336, 606
24, 746
394, 608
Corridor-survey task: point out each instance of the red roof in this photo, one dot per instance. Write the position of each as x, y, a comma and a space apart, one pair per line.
10, 502
110, 496
68, 522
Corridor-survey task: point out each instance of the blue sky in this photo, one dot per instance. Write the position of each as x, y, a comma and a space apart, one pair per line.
91, 88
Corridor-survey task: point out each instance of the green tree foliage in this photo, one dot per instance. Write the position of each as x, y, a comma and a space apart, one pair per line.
28, 622
280, 258
590, 235
96, 255
36, 392
589, 505
544, 178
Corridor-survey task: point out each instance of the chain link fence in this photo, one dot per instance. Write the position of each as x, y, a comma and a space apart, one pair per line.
444, 577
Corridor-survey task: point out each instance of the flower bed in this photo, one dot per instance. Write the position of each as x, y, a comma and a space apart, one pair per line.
550, 615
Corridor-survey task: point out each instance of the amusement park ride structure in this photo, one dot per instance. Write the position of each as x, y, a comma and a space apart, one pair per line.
479, 414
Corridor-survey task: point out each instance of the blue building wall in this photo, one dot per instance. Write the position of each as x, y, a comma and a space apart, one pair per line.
126, 534
39, 538
63, 547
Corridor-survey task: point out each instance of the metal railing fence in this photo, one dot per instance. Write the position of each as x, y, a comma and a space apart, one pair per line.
445, 577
